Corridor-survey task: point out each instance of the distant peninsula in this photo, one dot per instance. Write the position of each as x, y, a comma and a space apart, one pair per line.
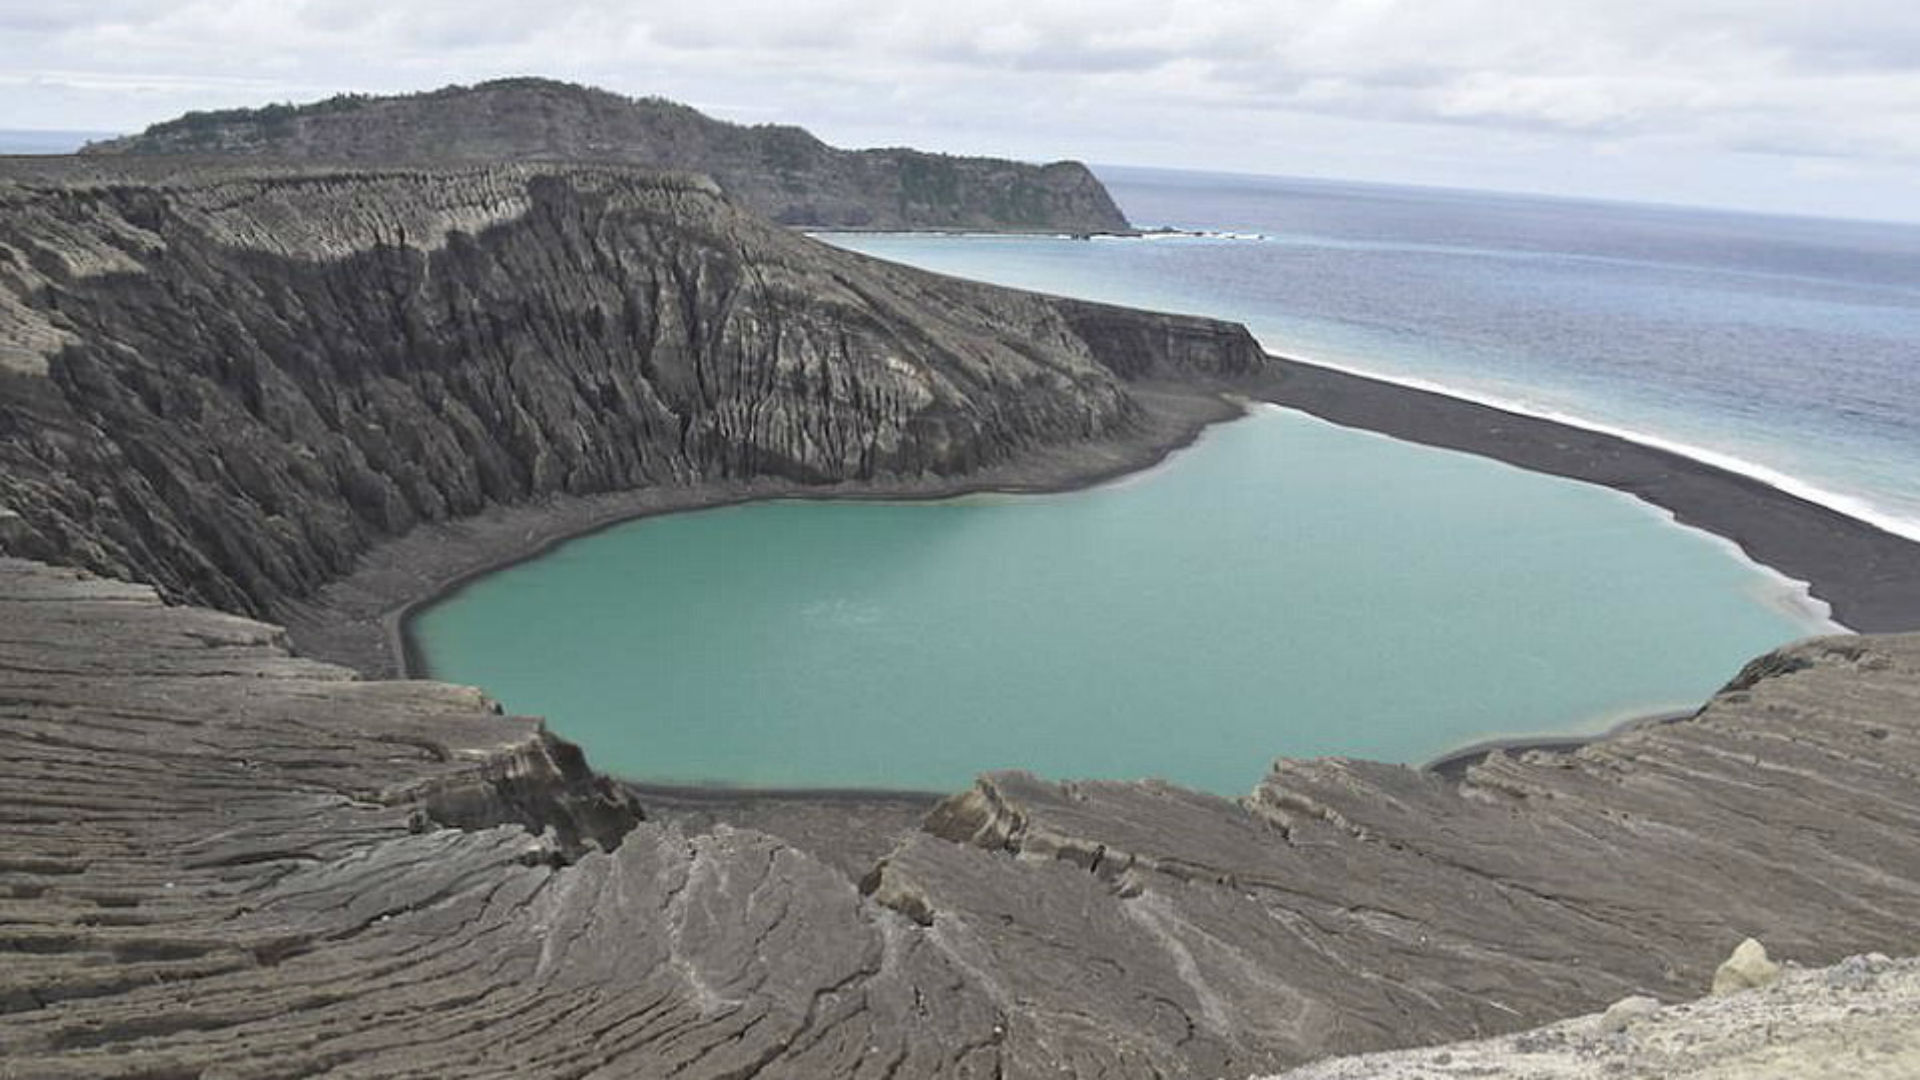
779, 171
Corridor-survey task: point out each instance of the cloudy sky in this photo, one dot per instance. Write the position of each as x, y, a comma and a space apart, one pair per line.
1807, 106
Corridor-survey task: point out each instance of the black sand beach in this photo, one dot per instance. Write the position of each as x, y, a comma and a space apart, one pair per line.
1454, 763
1869, 577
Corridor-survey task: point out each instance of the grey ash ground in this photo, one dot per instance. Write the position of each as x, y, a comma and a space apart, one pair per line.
1856, 1020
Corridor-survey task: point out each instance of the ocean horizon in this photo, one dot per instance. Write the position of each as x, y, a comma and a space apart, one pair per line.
1853, 281
36, 142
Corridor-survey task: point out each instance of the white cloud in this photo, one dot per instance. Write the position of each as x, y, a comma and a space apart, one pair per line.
1707, 79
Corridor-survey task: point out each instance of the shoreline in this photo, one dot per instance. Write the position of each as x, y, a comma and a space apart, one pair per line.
1845, 505
1453, 764
1042, 477
1868, 578
362, 621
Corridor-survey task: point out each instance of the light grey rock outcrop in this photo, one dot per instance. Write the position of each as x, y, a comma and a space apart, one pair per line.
1806, 1028
779, 171
1748, 968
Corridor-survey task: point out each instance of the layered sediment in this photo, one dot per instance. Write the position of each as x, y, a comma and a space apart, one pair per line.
222, 859
779, 171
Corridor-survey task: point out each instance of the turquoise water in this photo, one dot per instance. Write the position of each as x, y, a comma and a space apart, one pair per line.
1285, 587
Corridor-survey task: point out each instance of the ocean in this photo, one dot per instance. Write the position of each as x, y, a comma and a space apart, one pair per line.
15, 141
1784, 348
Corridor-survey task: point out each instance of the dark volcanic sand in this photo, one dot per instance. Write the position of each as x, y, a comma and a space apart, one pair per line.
1454, 763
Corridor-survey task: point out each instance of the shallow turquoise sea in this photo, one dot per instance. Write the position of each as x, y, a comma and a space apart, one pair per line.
1284, 587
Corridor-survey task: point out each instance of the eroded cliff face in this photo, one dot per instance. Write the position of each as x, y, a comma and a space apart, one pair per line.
231, 381
222, 859
781, 172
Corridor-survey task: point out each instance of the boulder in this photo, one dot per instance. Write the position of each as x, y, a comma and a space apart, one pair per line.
1747, 969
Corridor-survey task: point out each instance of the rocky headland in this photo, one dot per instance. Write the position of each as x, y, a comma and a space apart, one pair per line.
285, 390
779, 171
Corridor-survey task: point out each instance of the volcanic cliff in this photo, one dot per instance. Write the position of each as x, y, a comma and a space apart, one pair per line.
779, 171
230, 381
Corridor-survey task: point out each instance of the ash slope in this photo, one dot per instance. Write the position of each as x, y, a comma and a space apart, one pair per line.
231, 381
779, 171
220, 859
